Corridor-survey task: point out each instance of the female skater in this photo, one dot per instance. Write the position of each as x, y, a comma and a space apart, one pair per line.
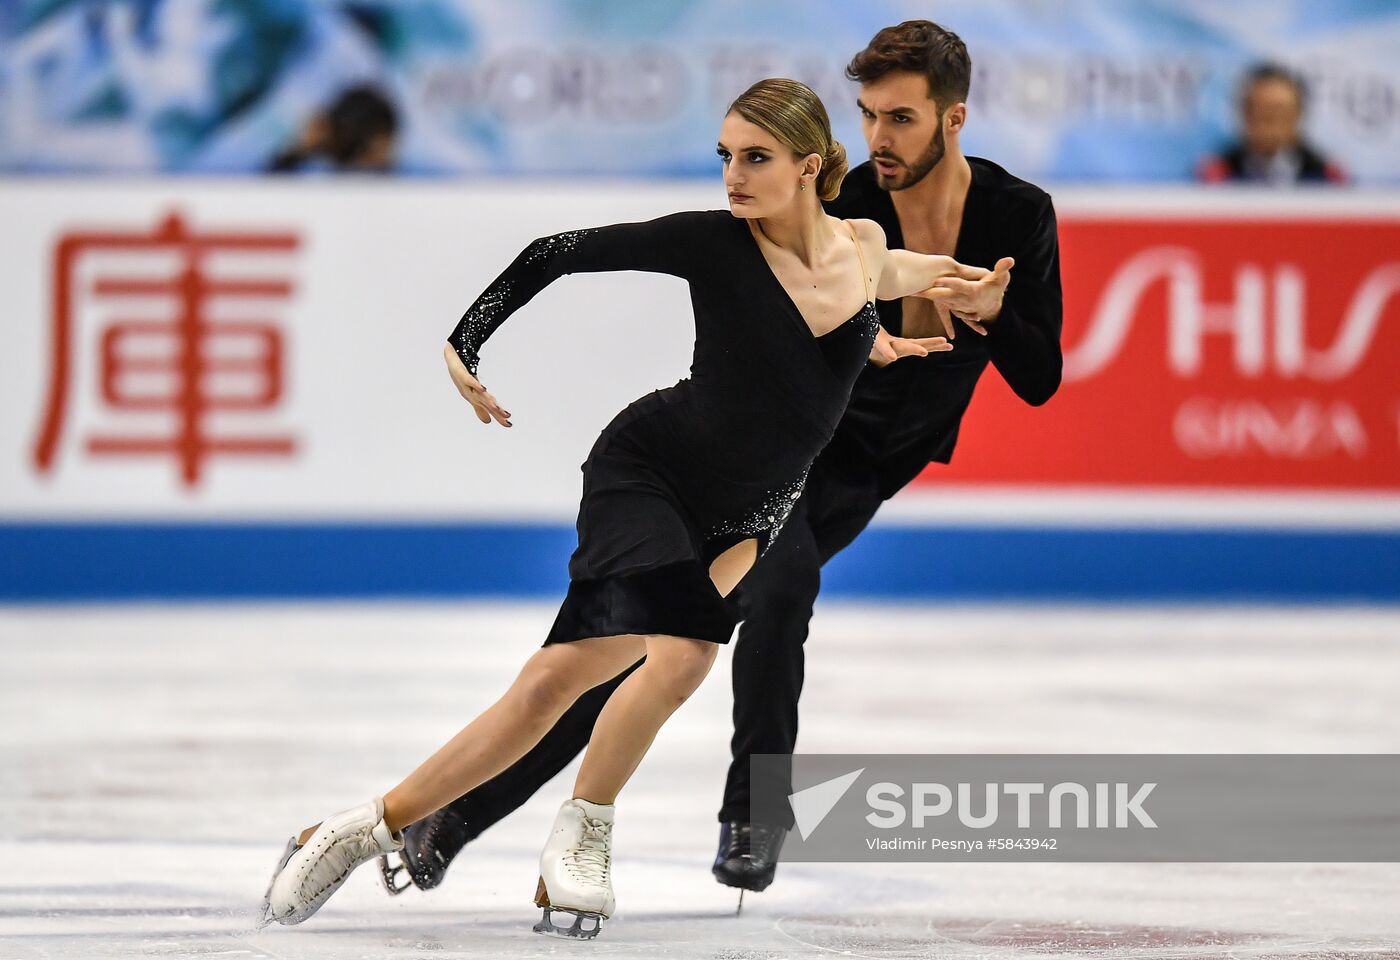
681, 492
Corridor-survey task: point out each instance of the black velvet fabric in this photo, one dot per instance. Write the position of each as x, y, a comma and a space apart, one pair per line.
675, 600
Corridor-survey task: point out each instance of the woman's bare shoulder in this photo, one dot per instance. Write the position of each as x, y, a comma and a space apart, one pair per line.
871, 234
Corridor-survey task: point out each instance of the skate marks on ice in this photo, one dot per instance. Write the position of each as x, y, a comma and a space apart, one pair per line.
993, 911
910, 936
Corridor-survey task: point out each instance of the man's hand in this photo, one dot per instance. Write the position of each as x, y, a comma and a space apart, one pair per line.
485, 405
974, 296
888, 349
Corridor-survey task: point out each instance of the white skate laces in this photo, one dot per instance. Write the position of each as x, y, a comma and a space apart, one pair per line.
308, 874
576, 870
590, 861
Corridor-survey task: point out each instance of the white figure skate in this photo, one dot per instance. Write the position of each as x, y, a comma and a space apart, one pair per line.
308, 874
576, 870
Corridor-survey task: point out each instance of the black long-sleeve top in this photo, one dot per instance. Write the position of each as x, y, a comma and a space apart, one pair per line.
907, 414
764, 394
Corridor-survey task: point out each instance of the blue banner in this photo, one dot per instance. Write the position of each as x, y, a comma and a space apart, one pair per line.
1072, 91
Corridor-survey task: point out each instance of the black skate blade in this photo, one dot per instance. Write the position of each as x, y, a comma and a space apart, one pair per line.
390, 874
265, 916
584, 927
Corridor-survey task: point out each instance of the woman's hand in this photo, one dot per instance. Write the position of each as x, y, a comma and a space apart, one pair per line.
888, 349
972, 294
485, 405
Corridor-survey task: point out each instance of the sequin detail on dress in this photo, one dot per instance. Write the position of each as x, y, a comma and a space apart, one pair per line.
870, 320
491, 308
479, 321
770, 515
546, 247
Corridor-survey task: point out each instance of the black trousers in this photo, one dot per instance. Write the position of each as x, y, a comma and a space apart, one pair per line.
776, 599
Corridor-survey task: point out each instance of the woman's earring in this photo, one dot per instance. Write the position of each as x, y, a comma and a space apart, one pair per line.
801, 185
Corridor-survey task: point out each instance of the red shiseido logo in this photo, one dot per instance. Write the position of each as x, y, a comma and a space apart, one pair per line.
1265, 320
1214, 352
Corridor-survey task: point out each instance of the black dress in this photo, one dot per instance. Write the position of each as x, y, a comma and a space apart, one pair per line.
687, 472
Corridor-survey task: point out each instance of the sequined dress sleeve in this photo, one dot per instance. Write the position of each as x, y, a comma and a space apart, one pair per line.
663, 245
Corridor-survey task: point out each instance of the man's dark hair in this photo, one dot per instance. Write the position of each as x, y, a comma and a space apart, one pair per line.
1263, 72
920, 46
356, 117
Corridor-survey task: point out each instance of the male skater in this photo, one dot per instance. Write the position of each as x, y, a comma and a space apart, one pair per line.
929, 198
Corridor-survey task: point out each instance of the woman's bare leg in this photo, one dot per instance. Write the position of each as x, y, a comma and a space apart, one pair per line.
633, 715
636, 710
551, 680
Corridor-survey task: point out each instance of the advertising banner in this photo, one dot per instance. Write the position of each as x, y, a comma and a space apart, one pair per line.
237, 388
1212, 350
1069, 91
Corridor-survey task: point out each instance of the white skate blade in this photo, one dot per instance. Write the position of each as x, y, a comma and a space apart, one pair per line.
265, 917
584, 926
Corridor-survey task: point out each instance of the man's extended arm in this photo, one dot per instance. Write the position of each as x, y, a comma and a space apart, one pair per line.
1024, 339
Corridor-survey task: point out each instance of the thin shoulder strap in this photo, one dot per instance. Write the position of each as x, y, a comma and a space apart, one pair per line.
864, 276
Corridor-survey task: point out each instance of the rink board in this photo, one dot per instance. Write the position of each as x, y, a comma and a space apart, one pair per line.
1228, 427
55, 562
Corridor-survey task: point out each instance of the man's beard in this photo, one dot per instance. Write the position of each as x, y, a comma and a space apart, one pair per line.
918, 169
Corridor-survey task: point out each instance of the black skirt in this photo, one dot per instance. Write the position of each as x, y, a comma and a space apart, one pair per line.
648, 532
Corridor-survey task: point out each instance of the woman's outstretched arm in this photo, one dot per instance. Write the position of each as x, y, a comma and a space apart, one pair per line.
665, 245
903, 273
973, 293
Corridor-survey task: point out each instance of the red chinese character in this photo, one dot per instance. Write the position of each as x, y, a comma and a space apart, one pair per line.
193, 349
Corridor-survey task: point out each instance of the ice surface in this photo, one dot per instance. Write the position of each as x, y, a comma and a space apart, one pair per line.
154, 759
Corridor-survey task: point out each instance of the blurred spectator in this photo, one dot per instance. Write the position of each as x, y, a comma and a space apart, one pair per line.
1272, 149
356, 134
